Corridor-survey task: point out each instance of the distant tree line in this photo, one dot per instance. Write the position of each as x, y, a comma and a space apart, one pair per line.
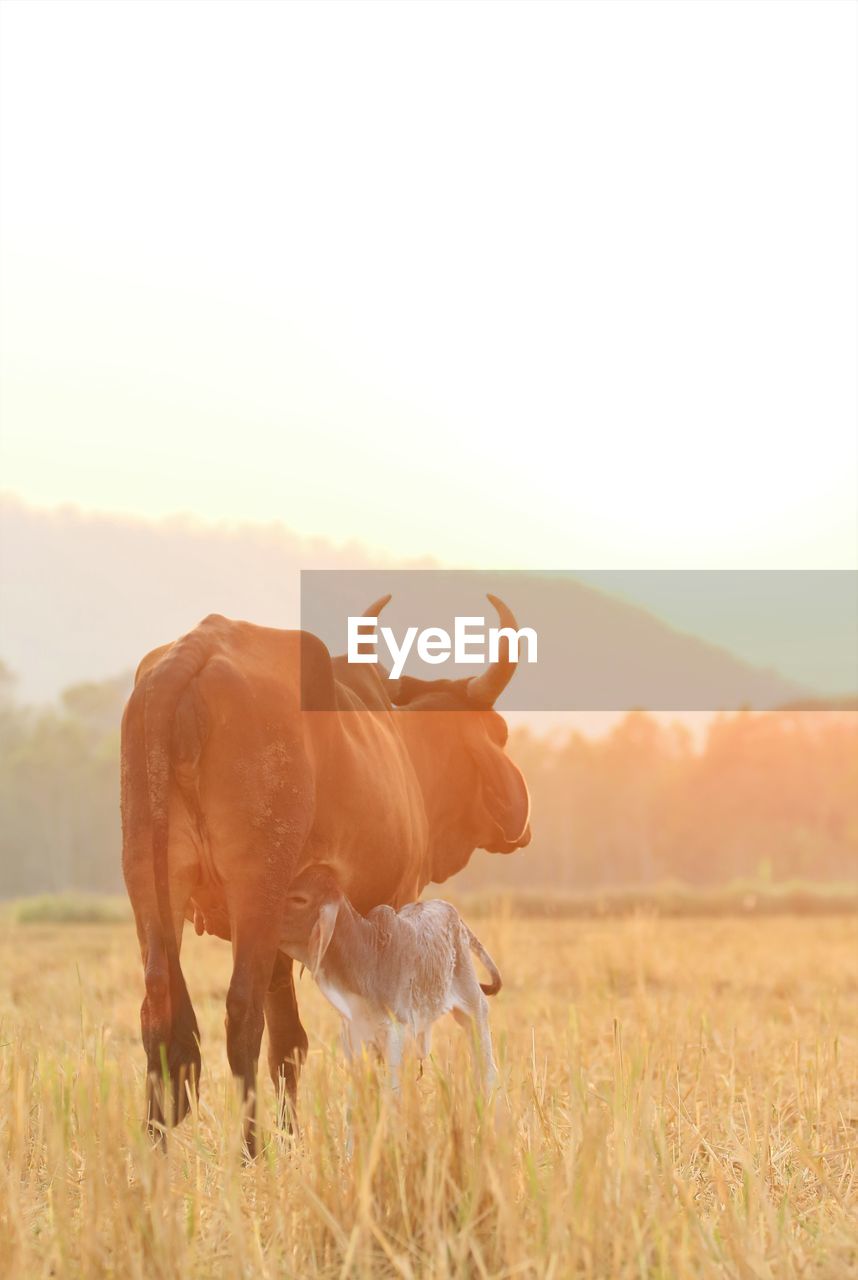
59, 790
766, 796
771, 795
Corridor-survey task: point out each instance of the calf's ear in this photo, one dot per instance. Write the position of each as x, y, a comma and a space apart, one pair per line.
320, 937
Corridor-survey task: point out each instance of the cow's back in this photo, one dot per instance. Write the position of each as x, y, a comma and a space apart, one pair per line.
266, 741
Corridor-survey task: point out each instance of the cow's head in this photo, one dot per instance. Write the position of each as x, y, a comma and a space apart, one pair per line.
475, 797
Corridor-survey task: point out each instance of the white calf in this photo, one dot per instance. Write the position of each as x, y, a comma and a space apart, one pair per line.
391, 974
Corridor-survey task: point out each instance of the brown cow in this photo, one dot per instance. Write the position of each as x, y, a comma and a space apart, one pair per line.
231, 785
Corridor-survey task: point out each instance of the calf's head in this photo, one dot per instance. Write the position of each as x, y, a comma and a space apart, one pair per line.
312, 906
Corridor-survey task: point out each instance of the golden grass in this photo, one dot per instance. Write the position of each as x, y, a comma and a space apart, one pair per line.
679, 1099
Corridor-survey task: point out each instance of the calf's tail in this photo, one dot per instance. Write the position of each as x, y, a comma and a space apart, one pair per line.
493, 987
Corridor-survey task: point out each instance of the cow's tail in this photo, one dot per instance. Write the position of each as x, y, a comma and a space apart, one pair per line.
177, 1031
493, 987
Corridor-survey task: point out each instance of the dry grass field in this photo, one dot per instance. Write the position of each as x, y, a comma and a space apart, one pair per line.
679, 1099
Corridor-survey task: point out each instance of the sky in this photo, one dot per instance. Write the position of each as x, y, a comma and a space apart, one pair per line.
509, 285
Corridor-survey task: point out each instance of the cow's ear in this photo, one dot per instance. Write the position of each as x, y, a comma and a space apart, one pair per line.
316, 674
406, 689
505, 796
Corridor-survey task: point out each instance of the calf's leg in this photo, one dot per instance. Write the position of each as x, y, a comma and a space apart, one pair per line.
472, 1013
394, 1042
424, 1046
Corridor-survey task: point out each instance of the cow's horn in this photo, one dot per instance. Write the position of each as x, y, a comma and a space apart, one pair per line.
484, 690
376, 607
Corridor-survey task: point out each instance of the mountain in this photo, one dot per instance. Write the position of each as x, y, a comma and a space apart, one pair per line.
84, 596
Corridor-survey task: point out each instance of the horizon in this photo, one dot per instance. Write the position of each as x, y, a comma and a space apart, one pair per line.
765, 626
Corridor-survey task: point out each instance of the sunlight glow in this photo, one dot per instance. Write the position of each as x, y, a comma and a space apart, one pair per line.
509, 285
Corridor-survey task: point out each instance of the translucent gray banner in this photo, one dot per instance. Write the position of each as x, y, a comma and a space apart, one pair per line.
605, 640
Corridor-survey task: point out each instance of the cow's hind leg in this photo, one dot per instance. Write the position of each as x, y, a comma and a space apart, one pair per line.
171, 1041
255, 945
167, 1021
287, 1039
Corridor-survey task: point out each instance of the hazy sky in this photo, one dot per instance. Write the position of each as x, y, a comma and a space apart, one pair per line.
515, 285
